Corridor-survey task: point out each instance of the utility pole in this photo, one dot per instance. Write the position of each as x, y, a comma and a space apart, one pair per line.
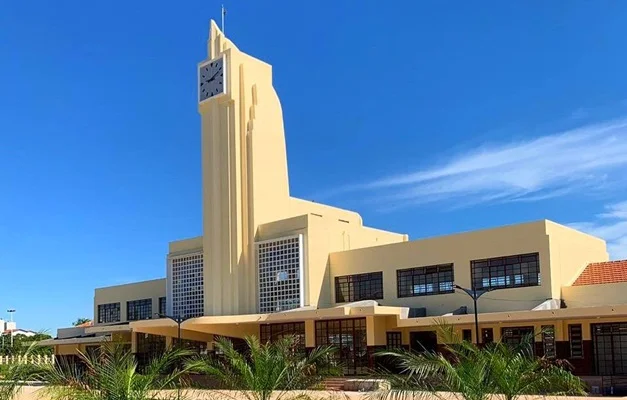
475, 294
11, 311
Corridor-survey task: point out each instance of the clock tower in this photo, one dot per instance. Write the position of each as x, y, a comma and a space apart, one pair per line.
244, 170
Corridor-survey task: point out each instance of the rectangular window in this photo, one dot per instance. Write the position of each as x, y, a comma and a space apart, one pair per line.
359, 287
108, 313
610, 348
163, 309
467, 335
139, 309
575, 338
280, 264
519, 336
272, 332
487, 335
394, 340
348, 336
425, 281
187, 284
506, 272
548, 340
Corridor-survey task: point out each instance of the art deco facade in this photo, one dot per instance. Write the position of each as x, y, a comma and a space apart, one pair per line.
269, 264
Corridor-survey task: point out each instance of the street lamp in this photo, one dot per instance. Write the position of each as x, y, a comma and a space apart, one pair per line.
475, 294
179, 320
11, 311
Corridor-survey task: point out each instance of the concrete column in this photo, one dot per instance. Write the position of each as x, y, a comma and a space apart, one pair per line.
310, 333
133, 342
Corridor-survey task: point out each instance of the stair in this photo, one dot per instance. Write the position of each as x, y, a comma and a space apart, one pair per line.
334, 384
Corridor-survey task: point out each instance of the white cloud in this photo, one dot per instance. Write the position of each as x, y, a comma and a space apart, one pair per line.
611, 226
527, 170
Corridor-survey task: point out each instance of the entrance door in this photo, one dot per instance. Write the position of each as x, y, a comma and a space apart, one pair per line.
348, 336
610, 348
423, 341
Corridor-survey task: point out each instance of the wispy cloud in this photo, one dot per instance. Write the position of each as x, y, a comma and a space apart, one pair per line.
611, 226
527, 170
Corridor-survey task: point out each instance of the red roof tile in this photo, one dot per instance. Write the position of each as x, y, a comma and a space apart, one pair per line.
603, 272
85, 324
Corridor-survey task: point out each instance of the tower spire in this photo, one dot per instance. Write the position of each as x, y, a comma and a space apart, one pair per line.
223, 17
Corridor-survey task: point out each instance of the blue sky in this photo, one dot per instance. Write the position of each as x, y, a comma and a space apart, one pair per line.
426, 117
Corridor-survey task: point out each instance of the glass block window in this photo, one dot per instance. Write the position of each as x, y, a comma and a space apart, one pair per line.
425, 281
359, 287
108, 313
394, 340
575, 337
280, 264
163, 306
187, 285
506, 272
548, 341
139, 309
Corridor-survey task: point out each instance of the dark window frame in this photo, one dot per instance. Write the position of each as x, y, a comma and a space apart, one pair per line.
575, 340
349, 337
357, 287
163, 306
506, 272
137, 310
394, 340
610, 348
548, 341
109, 313
441, 277
487, 335
269, 333
467, 335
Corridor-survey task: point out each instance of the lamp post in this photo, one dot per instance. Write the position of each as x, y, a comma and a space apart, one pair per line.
179, 320
11, 311
475, 294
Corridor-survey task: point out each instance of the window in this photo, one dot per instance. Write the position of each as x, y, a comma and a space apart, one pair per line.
576, 341
506, 272
487, 335
394, 340
467, 335
359, 287
610, 348
108, 313
273, 332
348, 336
519, 336
187, 285
280, 267
548, 341
163, 306
425, 281
139, 309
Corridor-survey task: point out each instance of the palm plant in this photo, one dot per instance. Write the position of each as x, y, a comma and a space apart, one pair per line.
266, 368
112, 374
474, 373
13, 377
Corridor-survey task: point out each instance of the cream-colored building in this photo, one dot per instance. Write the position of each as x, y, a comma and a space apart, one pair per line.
269, 264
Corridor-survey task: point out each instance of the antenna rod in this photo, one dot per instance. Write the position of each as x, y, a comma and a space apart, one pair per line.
223, 15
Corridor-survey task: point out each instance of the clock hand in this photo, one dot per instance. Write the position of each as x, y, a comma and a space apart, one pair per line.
214, 76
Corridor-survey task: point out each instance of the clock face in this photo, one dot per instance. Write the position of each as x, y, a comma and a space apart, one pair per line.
211, 79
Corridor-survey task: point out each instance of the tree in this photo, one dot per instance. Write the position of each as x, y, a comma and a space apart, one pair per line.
474, 373
266, 368
22, 344
81, 321
112, 373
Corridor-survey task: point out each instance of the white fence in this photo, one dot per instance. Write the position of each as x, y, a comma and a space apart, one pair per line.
30, 359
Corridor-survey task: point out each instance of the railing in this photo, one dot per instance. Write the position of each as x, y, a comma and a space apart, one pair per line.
37, 359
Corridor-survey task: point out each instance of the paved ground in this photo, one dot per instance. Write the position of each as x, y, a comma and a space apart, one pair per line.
31, 393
